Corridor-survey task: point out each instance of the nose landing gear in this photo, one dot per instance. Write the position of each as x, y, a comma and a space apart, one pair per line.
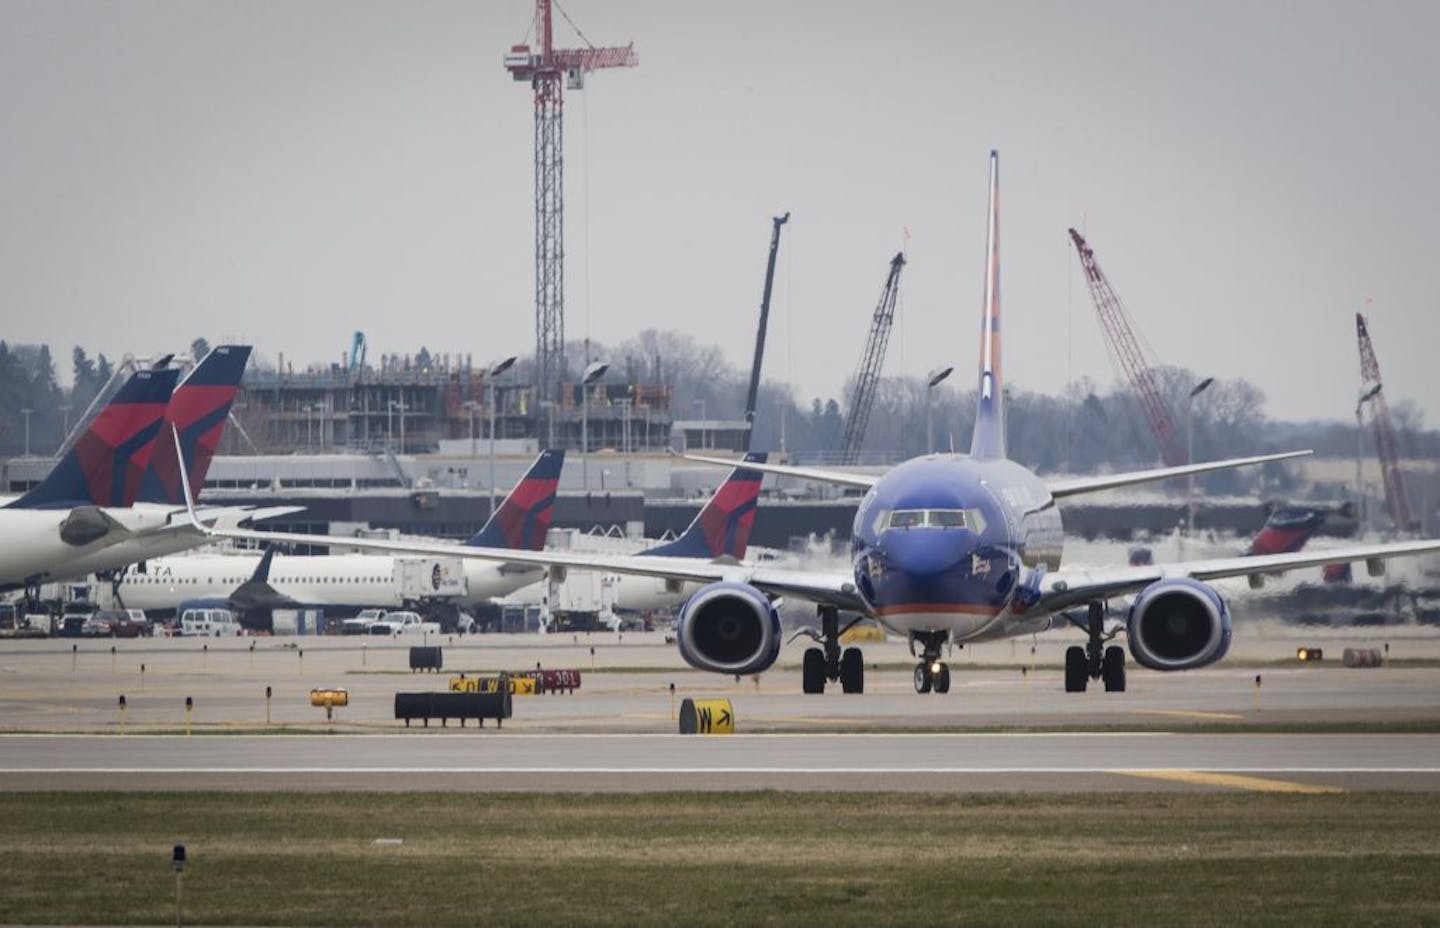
931, 674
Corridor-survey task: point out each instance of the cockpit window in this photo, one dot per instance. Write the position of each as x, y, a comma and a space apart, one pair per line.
907, 518
937, 518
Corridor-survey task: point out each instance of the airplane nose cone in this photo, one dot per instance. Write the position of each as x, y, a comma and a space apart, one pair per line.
923, 553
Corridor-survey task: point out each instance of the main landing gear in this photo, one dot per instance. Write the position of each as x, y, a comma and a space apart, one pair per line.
829, 662
931, 674
1094, 661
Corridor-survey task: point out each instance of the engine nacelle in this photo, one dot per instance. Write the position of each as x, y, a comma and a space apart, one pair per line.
729, 628
1178, 624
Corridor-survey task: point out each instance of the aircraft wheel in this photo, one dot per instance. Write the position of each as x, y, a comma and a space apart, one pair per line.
1112, 671
942, 679
922, 678
813, 671
1077, 669
852, 671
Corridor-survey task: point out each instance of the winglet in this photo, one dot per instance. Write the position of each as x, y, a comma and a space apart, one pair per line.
185, 481
988, 440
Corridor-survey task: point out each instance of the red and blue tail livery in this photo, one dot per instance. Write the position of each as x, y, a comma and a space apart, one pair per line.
722, 528
114, 450
198, 410
523, 519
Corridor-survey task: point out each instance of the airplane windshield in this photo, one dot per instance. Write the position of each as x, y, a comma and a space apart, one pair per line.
936, 518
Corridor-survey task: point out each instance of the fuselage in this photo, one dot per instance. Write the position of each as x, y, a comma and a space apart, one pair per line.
337, 580
944, 543
67, 544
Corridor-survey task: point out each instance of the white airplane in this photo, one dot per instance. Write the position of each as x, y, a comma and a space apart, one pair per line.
103, 506
721, 529
256, 581
954, 548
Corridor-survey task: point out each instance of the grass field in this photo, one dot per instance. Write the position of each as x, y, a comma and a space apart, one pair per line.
719, 859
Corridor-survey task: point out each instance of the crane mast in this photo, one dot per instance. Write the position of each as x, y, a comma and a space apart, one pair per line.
754, 395
1121, 334
867, 375
1395, 501
542, 67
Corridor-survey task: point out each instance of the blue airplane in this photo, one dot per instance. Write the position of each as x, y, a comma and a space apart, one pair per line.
951, 549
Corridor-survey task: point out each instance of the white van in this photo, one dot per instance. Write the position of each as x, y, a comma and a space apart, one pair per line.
209, 623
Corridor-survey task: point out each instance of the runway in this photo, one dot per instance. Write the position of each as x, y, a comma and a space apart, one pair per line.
491, 760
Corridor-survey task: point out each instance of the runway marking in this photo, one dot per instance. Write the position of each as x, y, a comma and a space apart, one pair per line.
1231, 781
1232, 777
1187, 714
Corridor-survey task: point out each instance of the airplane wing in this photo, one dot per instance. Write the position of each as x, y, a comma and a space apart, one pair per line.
1065, 588
1074, 486
1059, 489
837, 477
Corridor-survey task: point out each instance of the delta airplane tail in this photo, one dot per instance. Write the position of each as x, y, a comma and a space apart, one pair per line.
114, 450
522, 520
988, 440
198, 410
722, 528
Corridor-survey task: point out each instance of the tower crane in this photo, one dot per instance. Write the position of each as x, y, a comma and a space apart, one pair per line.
543, 66
867, 375
1121, 334
1372, 396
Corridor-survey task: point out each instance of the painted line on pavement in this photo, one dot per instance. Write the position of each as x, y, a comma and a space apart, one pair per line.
1233, 781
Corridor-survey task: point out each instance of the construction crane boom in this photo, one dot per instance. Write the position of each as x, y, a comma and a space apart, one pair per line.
543, 67
1385, 450
867, 375
754, 395
1121, 335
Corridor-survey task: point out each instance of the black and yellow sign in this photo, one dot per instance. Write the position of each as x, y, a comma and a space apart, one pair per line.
518, 686
329, 697
707, 717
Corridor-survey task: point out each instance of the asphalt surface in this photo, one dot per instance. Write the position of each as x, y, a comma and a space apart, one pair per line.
1006, 724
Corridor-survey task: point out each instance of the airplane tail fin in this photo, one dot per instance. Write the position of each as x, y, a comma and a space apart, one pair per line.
523, 518
114, 450
988, 440
1286, 530
722, 527
199, 409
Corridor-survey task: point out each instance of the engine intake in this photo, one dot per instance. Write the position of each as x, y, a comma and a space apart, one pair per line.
1178, 624
729, 628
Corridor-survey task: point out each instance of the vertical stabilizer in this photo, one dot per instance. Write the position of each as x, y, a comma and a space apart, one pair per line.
989, 438
198, 409
113, 451
722, 527
523, 517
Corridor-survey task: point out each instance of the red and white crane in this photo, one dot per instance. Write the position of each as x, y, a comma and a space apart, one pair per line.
543, 66
1372, 395
1121, 335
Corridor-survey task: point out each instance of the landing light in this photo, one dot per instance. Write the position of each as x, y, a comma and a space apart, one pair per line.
935, 667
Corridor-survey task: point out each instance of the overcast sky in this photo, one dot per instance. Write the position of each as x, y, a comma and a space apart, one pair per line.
1249, 173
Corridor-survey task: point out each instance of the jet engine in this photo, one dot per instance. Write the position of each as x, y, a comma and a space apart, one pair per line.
729, 628
1178, 624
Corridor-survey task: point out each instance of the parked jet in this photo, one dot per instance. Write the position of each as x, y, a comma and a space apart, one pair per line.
721, 529
98, 508
953, 548
252, 581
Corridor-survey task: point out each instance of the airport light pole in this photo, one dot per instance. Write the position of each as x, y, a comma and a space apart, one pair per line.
933, 380
64, 429
495, 370
701, 404
593, 372
26, 413
471, 406
1367, 396
1195, 391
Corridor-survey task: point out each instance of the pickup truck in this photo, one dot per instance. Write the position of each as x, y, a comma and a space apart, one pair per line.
404, 623
360, 625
